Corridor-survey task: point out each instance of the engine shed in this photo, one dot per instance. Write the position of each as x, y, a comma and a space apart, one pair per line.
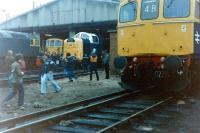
64, 18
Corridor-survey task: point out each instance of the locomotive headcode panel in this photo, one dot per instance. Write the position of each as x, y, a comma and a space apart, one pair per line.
197, 29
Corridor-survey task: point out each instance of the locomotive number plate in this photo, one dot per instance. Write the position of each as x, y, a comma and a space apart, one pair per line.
159, 74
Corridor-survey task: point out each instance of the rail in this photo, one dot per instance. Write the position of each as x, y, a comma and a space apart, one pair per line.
19, 123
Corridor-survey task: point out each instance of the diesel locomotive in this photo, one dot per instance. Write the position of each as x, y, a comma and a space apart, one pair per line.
82, 44
18, 43
159, 44
54, 45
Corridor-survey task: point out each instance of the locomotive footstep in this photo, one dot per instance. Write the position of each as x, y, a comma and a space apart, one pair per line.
180, 102
144, 128
127, 87
65, 123
191, 100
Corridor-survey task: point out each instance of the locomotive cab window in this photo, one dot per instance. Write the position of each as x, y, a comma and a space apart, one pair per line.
58, 43
197, 15
51, 43
176, 8
95, 39
84, 36
150, 9
47, 43
128, 12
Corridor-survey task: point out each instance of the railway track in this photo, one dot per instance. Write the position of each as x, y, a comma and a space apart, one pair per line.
110, 116
110, 113
35, 77
52, 115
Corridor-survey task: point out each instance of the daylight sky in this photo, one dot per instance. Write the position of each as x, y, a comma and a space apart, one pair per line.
11, 8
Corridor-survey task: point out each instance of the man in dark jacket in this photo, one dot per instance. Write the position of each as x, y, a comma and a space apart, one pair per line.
69, 67
85, 63
93, 66
106, 60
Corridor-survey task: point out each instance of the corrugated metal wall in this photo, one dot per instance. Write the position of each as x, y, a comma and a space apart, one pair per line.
62, 12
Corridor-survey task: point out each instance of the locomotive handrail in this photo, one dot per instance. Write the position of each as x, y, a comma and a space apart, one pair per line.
132, 25
168, 22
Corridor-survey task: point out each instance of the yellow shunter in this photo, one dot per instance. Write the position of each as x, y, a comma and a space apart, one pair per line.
54, 46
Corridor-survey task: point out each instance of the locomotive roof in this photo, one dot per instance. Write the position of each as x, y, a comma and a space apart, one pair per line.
12, 34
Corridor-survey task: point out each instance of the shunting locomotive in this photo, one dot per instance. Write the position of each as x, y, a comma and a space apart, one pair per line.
159, 43
54, 45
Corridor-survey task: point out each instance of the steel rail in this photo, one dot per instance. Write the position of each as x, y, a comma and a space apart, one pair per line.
20, 123
35, 78
123, 121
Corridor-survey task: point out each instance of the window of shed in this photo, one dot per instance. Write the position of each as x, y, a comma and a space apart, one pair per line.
150, 9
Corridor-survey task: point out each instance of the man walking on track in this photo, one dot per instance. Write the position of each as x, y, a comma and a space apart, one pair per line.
47, 74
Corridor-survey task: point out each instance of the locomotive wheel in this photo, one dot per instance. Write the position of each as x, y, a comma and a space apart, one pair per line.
127, 79
195, 77
177, 82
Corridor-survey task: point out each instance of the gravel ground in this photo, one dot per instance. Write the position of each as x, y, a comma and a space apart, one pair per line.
80, 89
188, 120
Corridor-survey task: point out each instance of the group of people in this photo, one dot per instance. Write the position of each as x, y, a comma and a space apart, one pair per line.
16, 65
89, 64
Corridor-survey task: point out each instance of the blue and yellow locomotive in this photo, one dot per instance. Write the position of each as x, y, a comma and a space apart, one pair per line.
159, 43
82, 44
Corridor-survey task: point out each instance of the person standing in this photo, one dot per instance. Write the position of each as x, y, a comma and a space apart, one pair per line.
93, 65
9, 59
22, 64
85, 63
106, 60
69, 67
16, 79
47, 74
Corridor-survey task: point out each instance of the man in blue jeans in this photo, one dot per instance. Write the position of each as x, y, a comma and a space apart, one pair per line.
47, 74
